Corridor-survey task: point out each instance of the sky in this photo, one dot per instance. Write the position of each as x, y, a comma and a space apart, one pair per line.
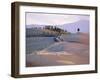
56, 19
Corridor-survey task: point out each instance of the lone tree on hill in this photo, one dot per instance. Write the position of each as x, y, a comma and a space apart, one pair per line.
78, 29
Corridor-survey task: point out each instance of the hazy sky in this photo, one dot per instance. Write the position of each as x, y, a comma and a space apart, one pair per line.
53, 19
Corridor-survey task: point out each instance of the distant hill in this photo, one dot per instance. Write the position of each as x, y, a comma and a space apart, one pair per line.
34, 26
38, 25
40, 30
36, 32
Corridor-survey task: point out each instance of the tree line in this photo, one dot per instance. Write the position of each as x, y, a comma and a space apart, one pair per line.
54, 28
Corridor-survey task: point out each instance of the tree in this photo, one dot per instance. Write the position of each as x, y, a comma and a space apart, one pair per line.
78, 29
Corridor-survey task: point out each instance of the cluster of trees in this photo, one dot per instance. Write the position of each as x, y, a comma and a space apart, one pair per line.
46, 31
54, 28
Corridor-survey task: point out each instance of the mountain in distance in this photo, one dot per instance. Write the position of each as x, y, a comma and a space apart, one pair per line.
39, 26
34, 26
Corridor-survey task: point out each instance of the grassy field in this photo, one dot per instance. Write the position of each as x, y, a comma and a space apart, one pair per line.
38, 43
